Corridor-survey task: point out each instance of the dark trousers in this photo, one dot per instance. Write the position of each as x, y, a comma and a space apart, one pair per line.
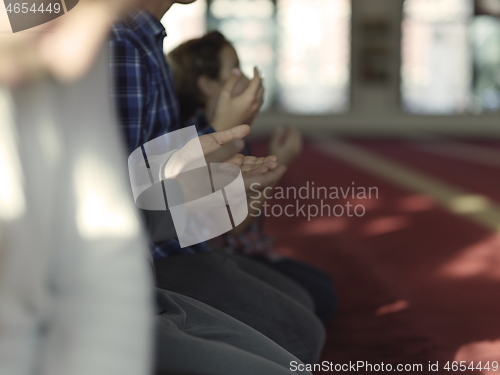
250, 292
194, 338
316, 282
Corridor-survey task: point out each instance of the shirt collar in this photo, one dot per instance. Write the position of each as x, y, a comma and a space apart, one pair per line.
148, 23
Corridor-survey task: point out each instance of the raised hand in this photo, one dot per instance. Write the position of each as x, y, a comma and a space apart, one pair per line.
233, 109
261, 172
217, 147
286, 144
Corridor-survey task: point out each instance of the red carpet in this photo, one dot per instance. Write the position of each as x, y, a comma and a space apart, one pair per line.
416, 283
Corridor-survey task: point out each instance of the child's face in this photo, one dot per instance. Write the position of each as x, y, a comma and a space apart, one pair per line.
229, 60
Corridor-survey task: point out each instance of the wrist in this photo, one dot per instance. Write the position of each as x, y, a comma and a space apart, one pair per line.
220, 125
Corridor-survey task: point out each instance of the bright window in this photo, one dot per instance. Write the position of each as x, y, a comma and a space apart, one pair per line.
436, 71
314, 55
184, 22
302, 47
451, 56
250, 26
485, 35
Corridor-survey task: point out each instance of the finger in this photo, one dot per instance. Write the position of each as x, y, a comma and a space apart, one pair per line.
271, 164
271, 158
272, 176
297, 135
264, 180
260, 160
282, 135
254, 168
275, 140
294, 131
254, 110
254, 85
252, 164
225, 152
294, 137
270, 161
300, 140
249, 160
257, 170
238, 132
252, 160
259, 97
231, 82
236, 160
247, 168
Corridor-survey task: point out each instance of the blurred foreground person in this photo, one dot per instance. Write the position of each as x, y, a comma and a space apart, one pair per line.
74, 299
74, 283
64, 47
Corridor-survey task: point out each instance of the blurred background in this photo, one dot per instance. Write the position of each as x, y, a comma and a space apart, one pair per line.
380, 67
403, 96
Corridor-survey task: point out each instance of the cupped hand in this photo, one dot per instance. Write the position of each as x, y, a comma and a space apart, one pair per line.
286, 144
258, 173
215, 148
235, 110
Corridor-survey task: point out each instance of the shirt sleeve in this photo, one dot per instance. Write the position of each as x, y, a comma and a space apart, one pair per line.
130, 90
199, 120
206, 130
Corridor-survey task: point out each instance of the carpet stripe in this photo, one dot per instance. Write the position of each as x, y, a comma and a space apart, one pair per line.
474, 206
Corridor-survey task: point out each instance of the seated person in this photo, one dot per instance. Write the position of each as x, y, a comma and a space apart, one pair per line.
201, 69
147, 109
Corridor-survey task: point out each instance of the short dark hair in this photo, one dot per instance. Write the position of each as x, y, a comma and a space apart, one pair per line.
191, 60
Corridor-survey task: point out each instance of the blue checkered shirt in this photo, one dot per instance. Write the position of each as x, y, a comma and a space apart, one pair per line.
144, 94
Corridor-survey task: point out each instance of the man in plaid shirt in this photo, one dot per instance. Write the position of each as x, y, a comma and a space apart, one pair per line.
145, 98
147, 108
144, 94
